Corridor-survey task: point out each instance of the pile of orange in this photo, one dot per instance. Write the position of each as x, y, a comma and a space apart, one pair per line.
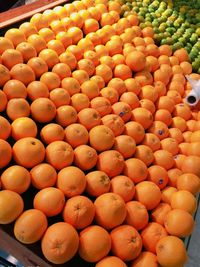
93, 117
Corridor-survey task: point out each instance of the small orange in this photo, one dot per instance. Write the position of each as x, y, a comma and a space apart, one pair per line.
164, 159
105, 72
14, 89
15, 36
38, 65
37, 89
37, 41
50, 79
122, 71
52, 132
80, 101
11, 57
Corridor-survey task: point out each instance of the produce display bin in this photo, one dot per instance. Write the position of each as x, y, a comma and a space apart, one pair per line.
31, 255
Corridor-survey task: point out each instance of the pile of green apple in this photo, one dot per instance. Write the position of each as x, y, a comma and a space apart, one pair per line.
176, 23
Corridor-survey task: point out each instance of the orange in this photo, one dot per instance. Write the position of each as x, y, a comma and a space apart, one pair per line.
184, 200
76, 51
28, 152
15, 36
122, 236
164, 159
114, 122
123, 110
50, 79
125, 145
60, 235
62, 70
105, 72
106, 206
179, 122
37, 42
106, 19
43, 110
144, 153
11, 57
131, 99
135, 130
23, 127
11, 204
142, 116
5, 44
111, 162
140, 170
136, 215
94, 243
57, 46
85, 157
149, 92
160, 129
101, 138
152, 141
99, 80
107, 60
174, 223
171, 251
186, 67
189, 182
144, 78
50, 15
85, 44
43, 175
49, 200
37, 89
132, 86
66, 115
86, 65
118, 59
160, 75
176, 134
79, 211
122, 71
102, 105
181, 54
47, 34
80, 75
59, 97
163, 115
158, 175
175, 96
80, 101
16, 178
57, 26
52, 132
94, 38
71, 85
97, 183
150, 199
153, 61
69, 59
171, 145
71, 187
75, 34
38, 65
17, 107
123, 186
14, 89
136, 61
117, 84
59, 154
90, 25
23, 73
49, 56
